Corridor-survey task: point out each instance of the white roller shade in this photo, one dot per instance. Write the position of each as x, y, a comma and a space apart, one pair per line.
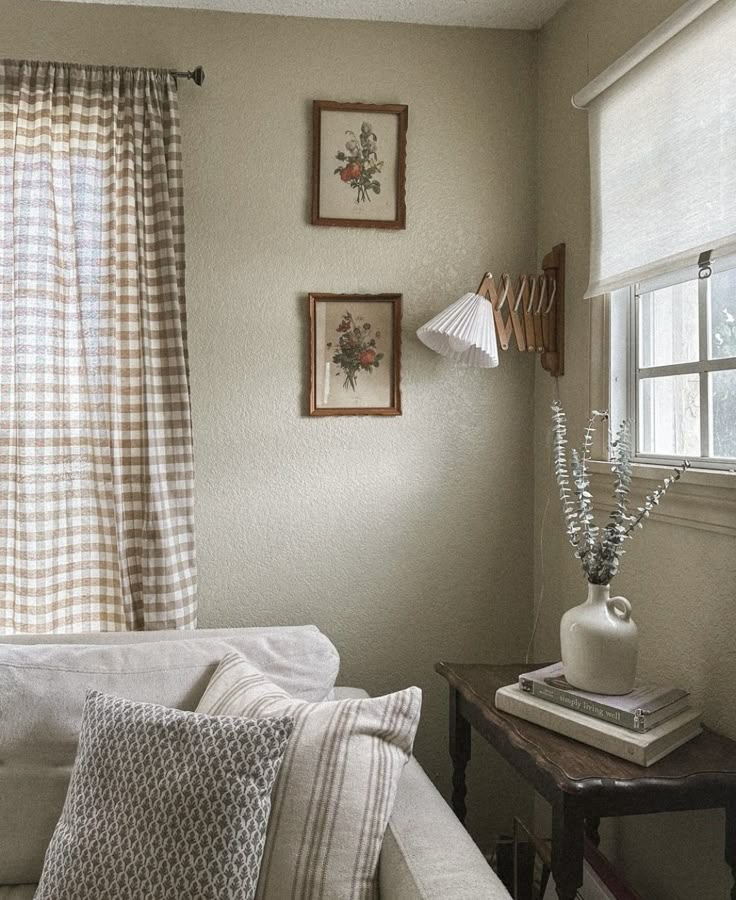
663, 153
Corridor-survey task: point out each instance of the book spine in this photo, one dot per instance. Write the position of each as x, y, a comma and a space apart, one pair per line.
577, 731
582, 705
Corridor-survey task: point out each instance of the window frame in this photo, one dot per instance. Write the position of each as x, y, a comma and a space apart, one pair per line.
626, 374
705, 499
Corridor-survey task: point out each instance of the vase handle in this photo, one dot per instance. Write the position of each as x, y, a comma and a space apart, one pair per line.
620, 607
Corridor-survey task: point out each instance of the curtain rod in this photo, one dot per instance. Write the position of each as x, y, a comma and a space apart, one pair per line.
671, 26
196, 75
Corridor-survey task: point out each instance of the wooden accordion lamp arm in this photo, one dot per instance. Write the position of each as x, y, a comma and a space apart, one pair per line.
533, 311
503, 298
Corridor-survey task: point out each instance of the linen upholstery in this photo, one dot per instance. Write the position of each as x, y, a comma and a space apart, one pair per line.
96, 517
42, 693
336, 787
426, 853
164, 804
419, 860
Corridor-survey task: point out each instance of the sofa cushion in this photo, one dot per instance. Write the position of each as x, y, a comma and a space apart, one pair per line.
334, 793
42, 692
164, 804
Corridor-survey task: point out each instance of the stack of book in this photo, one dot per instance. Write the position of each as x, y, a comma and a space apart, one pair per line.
641, 727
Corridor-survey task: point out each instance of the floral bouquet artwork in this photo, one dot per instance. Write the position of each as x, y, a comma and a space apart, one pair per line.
356, 349
354, 354
360, 165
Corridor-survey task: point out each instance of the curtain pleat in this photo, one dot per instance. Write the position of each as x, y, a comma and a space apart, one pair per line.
96, 461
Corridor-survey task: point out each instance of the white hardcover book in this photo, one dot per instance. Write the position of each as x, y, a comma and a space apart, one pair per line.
644, 748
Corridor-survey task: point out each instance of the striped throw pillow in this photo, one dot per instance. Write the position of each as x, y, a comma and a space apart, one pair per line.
336, 787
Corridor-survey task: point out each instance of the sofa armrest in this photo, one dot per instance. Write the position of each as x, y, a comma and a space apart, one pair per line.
427, 854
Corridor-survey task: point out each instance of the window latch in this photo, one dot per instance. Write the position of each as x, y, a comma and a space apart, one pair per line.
704, 267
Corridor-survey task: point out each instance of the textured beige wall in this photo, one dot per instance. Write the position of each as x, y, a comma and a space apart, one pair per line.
680, 581
407, 540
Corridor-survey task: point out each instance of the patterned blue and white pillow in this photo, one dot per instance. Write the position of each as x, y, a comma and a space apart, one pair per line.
164, 805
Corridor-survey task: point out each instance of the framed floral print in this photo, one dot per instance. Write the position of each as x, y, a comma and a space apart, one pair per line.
354, 354
359, 164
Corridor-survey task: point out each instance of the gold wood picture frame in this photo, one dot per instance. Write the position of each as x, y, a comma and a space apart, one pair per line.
359, 164
354, 354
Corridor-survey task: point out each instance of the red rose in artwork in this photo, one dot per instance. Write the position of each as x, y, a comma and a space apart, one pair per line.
367, 357
351, 172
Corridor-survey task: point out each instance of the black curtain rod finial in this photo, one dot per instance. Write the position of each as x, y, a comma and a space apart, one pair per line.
196, 75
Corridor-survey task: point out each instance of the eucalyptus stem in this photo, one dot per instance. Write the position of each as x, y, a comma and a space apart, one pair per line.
600, 549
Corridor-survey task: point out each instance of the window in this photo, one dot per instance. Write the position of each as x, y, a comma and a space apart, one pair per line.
663, 179
673, 367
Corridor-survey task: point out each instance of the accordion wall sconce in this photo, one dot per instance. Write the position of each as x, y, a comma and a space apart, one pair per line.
533, 312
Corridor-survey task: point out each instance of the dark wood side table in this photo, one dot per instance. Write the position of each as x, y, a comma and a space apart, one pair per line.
583, 784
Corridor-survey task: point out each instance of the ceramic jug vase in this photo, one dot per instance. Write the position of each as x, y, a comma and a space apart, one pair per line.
600, 643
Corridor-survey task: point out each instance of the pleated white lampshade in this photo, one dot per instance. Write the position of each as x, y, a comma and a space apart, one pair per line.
464, 332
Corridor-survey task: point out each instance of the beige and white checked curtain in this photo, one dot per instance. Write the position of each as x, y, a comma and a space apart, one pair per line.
96, 466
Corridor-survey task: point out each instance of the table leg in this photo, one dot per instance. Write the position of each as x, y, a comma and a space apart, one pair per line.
731, 840
591, 830
460, 755
568, 830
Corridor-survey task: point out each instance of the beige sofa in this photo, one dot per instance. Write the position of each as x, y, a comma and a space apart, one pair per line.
426, 854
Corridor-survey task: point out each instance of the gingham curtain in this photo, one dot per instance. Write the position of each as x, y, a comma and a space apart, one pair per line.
96, 469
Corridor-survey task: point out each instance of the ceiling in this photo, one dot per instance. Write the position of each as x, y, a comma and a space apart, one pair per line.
527, 14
